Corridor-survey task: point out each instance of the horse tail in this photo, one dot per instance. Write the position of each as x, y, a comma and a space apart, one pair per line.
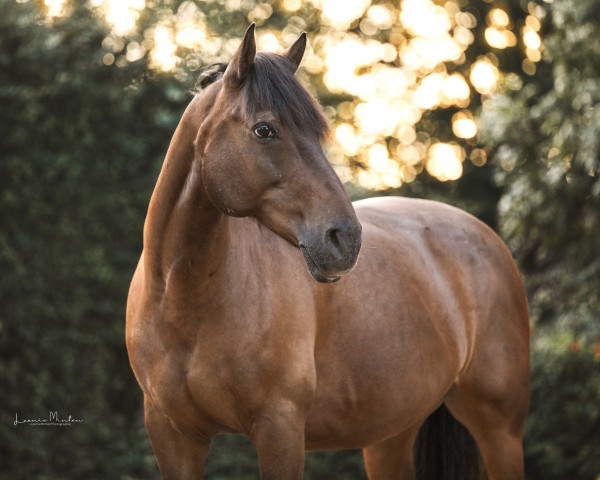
445, 450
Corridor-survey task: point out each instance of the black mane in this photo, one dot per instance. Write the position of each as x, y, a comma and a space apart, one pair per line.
271, 85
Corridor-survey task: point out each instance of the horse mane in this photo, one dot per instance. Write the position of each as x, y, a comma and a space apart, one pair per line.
210, 75
271, 85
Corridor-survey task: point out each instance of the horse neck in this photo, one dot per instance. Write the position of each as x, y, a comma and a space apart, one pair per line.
182, 227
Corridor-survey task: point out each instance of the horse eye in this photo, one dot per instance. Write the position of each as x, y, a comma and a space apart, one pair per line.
264, 131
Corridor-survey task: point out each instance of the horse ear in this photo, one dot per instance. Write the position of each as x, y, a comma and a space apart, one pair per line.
242, 60
296, 51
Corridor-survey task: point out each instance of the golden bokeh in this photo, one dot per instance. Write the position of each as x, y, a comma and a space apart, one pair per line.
54, 8
395, 71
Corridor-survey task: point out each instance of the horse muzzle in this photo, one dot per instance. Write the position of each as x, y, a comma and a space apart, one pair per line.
330, 255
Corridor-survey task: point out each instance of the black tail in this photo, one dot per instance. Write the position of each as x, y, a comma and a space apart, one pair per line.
445, 450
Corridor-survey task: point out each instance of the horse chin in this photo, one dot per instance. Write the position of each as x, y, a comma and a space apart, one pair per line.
315, 271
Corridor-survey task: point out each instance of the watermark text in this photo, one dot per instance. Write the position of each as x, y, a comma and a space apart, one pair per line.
52, 420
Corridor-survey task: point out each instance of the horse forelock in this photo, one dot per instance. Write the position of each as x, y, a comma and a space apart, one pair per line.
272, 86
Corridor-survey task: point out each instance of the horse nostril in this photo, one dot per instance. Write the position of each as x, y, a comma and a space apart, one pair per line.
333, 238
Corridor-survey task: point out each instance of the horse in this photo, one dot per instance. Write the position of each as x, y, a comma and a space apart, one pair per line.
266, 303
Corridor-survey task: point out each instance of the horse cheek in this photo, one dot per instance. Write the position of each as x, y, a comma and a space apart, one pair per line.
225, 186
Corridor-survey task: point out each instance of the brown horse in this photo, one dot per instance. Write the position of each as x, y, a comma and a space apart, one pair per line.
228, 331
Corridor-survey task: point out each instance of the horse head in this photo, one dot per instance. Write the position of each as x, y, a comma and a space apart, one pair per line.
259, 148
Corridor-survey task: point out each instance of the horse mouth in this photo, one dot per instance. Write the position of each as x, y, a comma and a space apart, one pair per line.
314, 269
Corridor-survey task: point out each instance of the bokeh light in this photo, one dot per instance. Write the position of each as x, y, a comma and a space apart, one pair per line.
395, 82
341, 13
484, 76
121, 15
163, 54
445, 161
54, 8
463, 124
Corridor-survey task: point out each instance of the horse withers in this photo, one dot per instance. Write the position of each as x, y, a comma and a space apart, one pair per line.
243, 316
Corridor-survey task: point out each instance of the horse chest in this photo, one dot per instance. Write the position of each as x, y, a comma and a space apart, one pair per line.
215, 375
186, 386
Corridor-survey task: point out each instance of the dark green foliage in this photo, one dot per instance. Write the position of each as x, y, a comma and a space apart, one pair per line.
79, 151
545, 139
564, 432
546, 142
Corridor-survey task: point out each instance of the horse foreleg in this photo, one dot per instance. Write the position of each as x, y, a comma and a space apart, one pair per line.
392, 458
278, 436
179, 456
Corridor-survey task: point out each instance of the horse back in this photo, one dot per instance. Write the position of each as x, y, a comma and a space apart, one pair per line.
459, 262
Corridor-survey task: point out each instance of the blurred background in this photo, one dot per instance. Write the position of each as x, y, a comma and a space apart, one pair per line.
493, 106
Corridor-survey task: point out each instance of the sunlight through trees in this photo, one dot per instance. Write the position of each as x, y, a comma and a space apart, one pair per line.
381, 70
